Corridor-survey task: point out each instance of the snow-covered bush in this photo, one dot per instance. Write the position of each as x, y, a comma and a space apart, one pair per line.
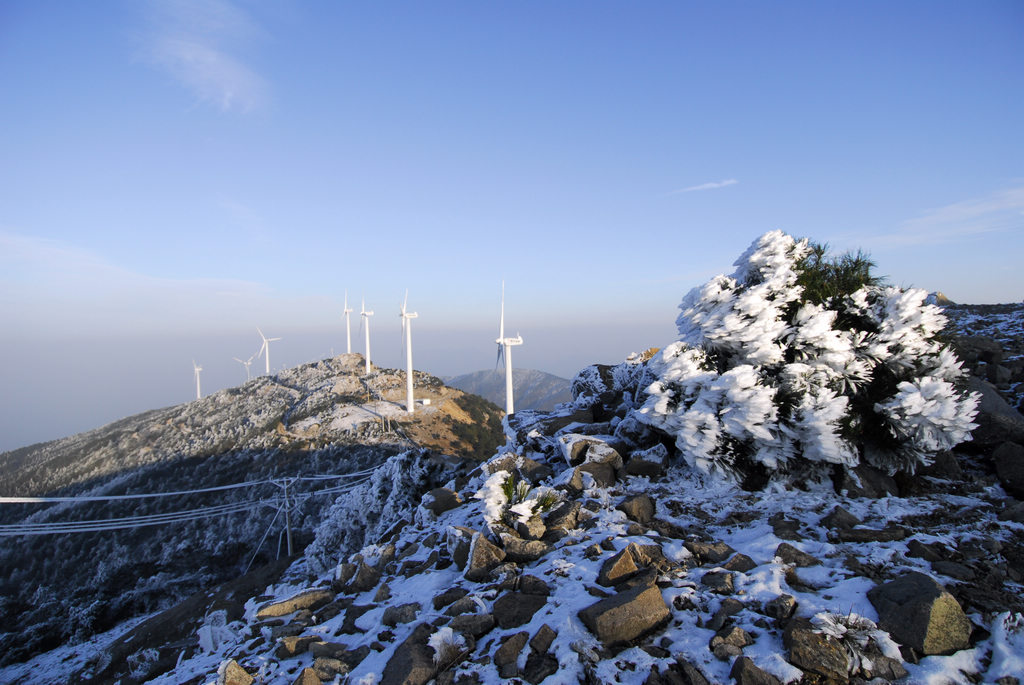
508, 499
798, 362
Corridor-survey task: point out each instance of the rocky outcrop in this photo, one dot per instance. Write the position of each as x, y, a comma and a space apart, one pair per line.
919, 613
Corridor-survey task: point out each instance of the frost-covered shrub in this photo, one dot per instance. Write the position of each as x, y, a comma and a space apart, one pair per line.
859, 637
508, 499
780, 371
363, 514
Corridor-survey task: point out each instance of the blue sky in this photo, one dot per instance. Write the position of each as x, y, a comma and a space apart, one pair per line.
176, 173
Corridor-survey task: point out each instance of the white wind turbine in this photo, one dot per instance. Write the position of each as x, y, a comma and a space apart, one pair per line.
407, 340
246, 363
265, 348
503, 349
196, 368
348, 328
366, 321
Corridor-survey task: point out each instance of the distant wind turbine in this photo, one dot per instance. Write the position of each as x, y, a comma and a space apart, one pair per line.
366, 320
265, 348
504, 345
407, 340
348, 328
246, 364
197, 369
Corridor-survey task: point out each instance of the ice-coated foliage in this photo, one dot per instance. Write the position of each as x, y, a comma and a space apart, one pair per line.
363, 514
767, 377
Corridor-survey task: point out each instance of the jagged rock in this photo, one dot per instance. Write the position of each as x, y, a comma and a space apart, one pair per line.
327, 668
413, 661
887, 534
618, 568
649, 463
719, 582
309, 599
865, 481
344, 574
308, 676
1013, 512
366, 578
288, 630
291, 646
329, 650
448, 596
740, 563
531, 585
919, 613
1009, 462
729, 607
639, 508
603, 473
709, 552
575, 447
780, 608
352, 614
440, 500
682, 672
724, 651
746, 672
404, 613
531, 529
953, 570
563, 517
231, 673
733, 635
815, 652
997, 421
464, 605
474, 625
538, 667
928, 552
541, 642
944, 465
507, 654
527, 468
482, 558
785, 528
600, 452
626, 616
629, 562
524, 551
791, 555
514, 609
839, 518
884, 667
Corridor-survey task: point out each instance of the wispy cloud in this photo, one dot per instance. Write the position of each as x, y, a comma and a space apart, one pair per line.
49, 287
1002, 210
199, 43
707, 186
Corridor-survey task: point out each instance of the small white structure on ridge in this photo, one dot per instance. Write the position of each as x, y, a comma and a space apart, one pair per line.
265, 349
503, 349
247, 363
196, 368
407, 342
366, 321
348, 327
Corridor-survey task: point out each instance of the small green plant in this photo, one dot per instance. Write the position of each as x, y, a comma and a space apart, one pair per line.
824, 277
509, 499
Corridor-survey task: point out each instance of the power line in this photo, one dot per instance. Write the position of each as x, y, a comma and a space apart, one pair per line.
129, 522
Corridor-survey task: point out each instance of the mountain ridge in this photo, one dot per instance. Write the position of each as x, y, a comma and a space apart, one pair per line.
533, 389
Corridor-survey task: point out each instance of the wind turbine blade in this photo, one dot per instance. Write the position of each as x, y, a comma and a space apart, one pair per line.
405, 302
497, 362
501, 319
261, 334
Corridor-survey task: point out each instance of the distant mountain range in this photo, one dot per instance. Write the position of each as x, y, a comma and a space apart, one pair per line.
533, 389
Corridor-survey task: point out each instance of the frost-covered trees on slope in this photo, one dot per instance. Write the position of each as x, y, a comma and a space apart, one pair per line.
797, 362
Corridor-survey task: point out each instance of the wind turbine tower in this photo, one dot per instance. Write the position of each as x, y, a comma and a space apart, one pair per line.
265, 348
407, 339
246, 364
366, 321
504, 345
196, 368
348, 328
